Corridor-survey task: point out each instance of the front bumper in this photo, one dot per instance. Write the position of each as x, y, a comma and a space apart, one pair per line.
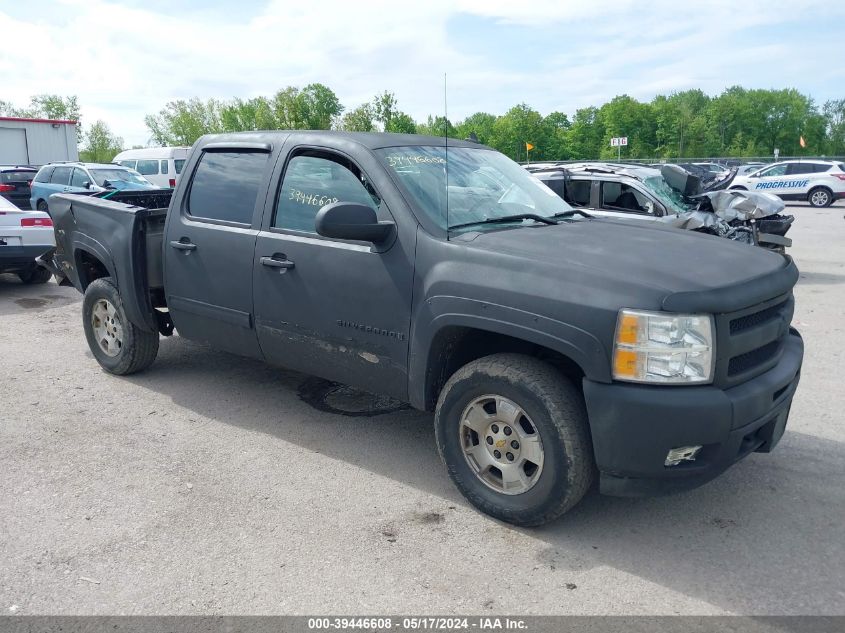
634, 426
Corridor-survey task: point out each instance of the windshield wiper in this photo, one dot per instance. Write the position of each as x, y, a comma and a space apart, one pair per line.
508, 218
571, 212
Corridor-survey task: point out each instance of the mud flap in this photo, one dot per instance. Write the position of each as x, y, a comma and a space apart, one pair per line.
47, 261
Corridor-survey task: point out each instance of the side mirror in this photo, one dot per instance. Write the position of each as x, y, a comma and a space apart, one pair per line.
352, 221
86, 184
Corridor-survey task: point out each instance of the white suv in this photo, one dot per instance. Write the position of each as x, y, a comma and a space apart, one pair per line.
819, 182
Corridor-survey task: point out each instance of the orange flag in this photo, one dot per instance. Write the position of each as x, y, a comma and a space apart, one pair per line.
529, 147
802, 142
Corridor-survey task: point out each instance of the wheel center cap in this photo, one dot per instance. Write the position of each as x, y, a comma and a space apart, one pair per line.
502, 443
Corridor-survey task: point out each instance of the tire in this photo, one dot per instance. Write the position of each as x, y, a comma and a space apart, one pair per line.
41, 205
35, 275
820, 197
551, 406
118, 344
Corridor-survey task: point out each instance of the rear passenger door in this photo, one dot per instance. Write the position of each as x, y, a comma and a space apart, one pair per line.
333, 308
209, 245
60, 180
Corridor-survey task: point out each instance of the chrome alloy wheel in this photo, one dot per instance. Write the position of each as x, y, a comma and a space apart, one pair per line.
108, 330
820, 198
501, 444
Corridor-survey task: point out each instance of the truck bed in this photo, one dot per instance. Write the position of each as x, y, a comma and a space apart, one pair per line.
118, 234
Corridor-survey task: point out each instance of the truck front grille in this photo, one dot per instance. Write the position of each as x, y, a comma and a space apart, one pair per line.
757, 318
744, 362
750, 341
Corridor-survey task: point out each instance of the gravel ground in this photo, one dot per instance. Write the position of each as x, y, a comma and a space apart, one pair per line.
214, 484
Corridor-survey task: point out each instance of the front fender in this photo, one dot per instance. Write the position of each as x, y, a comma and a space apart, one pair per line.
441, 312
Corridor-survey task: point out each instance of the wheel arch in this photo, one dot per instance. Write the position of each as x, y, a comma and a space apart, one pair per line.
460, 341
91, 265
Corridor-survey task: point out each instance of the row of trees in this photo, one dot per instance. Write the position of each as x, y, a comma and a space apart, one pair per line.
737, 122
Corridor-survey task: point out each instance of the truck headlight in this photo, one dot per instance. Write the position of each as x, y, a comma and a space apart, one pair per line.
662, 347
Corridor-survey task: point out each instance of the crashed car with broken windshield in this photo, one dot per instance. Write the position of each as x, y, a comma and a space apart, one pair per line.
552, 348
671, 195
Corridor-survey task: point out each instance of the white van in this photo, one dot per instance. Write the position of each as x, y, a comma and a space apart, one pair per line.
160, 165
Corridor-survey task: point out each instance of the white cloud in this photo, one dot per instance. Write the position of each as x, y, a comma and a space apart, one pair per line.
127, 61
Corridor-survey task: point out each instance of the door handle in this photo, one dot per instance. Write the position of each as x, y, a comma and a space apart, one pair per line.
272, 262
184, 246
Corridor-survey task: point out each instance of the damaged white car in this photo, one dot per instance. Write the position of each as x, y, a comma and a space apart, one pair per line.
671, 195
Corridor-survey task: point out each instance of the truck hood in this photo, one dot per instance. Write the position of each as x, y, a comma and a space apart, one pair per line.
692, 271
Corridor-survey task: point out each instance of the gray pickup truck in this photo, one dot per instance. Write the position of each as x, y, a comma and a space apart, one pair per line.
554, 349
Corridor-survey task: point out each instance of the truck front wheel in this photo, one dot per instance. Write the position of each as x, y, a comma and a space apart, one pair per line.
513, 433
118, 345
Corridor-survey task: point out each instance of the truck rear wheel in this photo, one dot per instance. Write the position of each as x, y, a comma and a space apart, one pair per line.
118, 345
513, 433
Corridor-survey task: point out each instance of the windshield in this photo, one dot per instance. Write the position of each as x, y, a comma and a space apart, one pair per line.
114, 175
483, 184
671, 199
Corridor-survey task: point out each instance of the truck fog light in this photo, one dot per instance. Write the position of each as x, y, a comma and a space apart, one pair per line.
681, 454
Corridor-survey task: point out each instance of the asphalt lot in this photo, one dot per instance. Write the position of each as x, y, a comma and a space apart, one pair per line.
214, 484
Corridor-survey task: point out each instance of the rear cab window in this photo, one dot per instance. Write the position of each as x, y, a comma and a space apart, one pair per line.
178, 164
163, 166
225, 186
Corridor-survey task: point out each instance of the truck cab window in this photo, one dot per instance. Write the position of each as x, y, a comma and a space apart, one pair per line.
311, 182
225, 186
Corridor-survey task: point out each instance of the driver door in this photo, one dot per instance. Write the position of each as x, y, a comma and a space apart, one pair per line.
338, 309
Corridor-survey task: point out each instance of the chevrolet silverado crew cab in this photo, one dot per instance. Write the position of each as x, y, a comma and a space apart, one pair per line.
553, 348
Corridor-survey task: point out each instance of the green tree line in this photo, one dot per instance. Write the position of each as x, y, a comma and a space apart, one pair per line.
737, 122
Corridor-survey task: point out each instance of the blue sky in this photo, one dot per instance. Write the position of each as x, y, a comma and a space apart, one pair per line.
125, 59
